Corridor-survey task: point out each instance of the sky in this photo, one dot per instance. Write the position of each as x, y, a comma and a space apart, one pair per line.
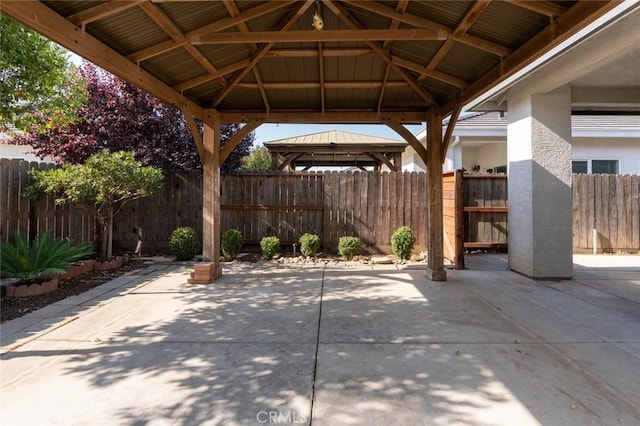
270, 132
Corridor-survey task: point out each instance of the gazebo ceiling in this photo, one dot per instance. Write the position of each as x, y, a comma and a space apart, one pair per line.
372, 59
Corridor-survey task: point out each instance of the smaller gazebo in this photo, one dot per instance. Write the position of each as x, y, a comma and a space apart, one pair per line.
336, 148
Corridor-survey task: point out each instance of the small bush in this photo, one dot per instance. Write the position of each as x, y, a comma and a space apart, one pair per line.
309, 245
231, 243
44, 256
402, 242
184, 243
348, 246
270, 246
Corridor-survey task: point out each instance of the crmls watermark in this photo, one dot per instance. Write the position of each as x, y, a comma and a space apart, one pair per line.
279, 417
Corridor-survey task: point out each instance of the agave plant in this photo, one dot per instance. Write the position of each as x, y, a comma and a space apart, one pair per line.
44, 256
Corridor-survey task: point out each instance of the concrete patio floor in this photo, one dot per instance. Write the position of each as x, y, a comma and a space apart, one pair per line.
334, 344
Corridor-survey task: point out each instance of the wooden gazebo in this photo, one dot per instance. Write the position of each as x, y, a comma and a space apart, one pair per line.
336, 148
254, 62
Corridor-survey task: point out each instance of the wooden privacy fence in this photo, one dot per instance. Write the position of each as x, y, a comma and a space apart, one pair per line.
31, 217
369, 205
179, 203
610, 204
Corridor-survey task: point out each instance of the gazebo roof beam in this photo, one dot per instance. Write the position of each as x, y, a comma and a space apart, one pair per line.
233, 10
312, 53
353, 23
543, 7
418, 22
302, 85
472, 14
287, 23
362, 35
223, 24
101, 11
176, 35
328, 117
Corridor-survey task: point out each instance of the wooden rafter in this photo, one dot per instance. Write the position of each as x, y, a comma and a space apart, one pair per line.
205, 78
401, 7
167, 25
353, 23
321, 71
328, 117
438, 75
101, 11
44, 20
543, 7
233, 10
472, 14
220, 25
288, 22
318, 36
418, 22
312, 53
384, 85
312, 85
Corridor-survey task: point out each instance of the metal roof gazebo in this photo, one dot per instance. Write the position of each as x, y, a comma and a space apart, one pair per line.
254, 62
338, 149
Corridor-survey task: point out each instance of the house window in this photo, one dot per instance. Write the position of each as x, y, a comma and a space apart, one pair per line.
580, 166
604, 166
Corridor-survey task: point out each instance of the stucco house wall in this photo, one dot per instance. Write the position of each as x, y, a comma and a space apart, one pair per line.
480, 139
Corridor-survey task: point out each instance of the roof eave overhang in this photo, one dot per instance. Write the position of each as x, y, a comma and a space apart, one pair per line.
494, 99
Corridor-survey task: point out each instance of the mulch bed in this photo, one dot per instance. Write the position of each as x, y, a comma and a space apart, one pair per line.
14, 308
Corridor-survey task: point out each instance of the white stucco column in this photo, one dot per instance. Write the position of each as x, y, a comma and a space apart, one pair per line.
539, 162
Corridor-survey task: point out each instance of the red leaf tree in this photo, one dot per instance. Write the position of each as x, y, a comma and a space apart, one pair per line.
120, 117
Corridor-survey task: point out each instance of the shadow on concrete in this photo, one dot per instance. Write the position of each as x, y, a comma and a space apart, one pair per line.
290, 344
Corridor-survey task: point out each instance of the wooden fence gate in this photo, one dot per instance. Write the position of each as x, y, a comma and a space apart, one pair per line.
475, 213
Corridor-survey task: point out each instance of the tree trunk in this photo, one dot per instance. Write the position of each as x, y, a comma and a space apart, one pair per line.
109, 235
103, 236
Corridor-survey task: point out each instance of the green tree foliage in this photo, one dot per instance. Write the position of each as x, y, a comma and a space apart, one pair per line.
103, 184
39, 88
44, 256
258, 160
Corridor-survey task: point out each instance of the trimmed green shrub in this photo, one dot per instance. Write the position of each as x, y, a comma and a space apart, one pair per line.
309, 244
402, 242
44, 256
184, 244
270, 246
348, 246
231, 243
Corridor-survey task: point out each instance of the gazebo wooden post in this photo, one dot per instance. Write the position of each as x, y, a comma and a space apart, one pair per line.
435, 266
211, 192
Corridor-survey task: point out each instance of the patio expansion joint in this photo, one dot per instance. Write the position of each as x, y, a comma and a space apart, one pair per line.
315, 363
